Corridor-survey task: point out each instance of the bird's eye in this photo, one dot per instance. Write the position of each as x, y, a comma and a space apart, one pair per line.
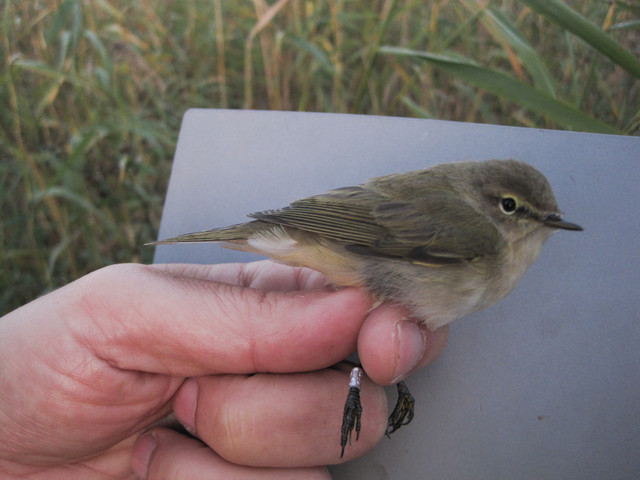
508, 205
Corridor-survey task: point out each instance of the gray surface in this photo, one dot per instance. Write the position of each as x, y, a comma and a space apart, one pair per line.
545, 384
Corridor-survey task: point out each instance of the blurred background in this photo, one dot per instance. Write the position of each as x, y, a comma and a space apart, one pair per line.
92, 93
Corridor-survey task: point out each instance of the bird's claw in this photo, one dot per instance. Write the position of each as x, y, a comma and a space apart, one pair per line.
351, 418
403, 411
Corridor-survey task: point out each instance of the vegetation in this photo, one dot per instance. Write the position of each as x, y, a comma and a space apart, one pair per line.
92, 93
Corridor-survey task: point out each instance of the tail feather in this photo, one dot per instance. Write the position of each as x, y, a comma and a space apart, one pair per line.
233, 233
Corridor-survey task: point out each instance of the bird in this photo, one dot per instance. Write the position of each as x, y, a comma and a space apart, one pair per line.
442, 242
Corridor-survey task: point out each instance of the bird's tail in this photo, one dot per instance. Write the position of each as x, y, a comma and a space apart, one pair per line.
233, 233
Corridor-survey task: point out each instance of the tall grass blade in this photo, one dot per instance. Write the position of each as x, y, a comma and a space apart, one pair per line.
315, 52
561, 14
503, 30
369, 60
75, 198
509, 88
45, 70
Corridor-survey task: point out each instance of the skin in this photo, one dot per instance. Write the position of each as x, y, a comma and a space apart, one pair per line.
242, 356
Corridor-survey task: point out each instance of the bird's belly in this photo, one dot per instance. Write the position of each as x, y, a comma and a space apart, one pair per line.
434, 295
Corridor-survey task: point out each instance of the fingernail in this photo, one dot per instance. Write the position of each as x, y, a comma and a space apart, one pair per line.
410, 348
145, 446
185, 404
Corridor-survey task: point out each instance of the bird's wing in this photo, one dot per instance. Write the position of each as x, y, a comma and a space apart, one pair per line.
442, 231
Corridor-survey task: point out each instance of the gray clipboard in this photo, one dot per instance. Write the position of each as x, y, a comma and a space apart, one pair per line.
545, 384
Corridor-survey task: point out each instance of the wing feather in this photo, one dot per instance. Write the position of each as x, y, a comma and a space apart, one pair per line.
435, 229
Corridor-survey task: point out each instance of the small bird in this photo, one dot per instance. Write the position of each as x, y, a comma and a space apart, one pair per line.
442, 242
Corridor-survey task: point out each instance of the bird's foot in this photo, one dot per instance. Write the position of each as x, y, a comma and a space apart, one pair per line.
403, 411
352, 410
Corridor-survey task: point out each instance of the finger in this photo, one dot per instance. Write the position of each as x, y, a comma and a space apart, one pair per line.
265, 275
391, 346
279, 420
166, 454
143, 318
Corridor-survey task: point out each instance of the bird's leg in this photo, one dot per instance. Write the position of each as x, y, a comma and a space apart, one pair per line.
403, 411
351, 419
352, 409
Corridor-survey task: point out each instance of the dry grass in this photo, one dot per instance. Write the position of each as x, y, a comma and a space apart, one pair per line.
92, 94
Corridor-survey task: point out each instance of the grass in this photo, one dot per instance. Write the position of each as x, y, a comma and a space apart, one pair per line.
92, 93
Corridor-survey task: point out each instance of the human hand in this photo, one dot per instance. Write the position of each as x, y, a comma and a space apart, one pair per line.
88, 368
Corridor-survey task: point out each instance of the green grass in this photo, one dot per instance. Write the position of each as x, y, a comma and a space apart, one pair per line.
92, 93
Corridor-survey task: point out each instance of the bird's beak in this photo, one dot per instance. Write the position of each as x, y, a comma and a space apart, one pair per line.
554, 220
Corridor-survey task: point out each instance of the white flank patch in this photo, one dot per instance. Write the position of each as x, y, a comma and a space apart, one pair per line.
274, 242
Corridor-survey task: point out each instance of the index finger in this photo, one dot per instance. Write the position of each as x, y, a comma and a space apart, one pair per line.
150, 319
263, 274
